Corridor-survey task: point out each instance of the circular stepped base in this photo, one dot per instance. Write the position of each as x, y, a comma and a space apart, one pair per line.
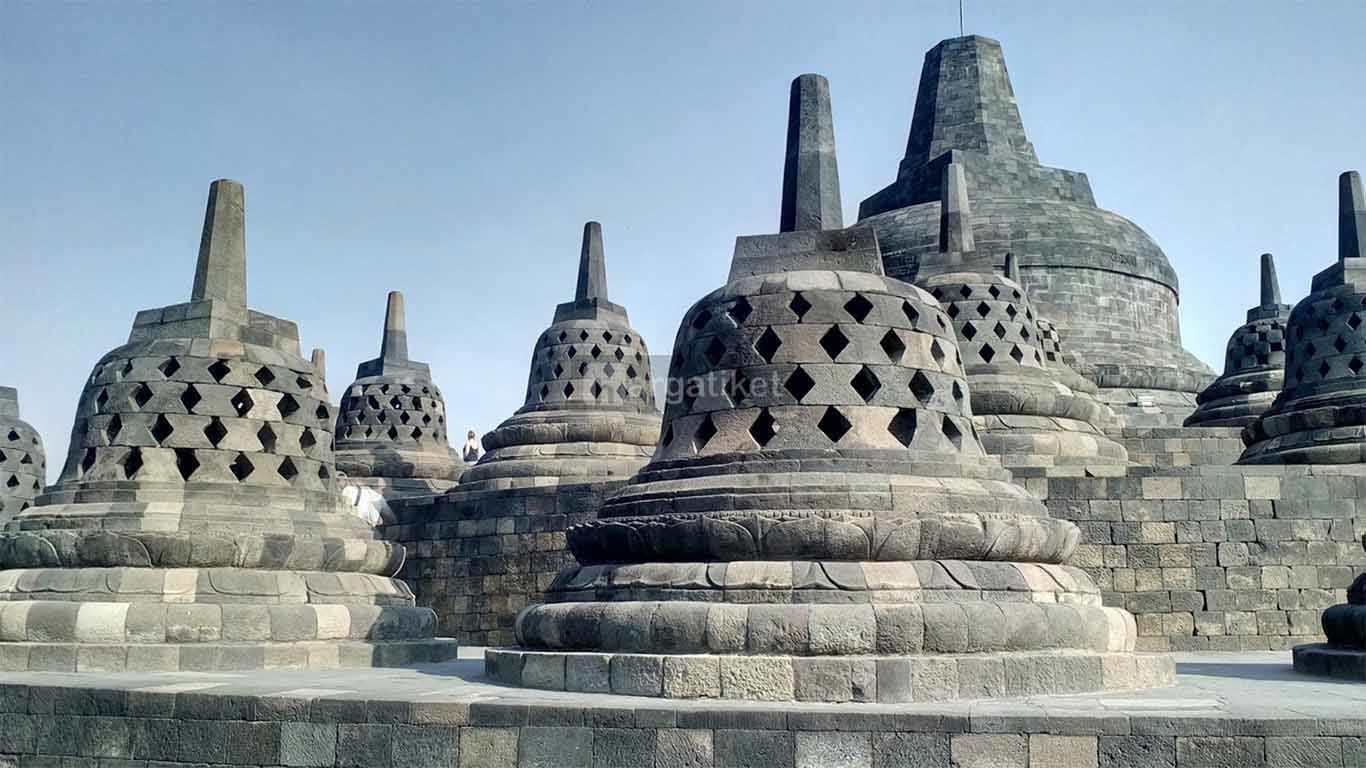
888, 679
1326, 661
221, 657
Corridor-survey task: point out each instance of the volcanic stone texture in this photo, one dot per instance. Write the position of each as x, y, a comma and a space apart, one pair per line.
23, 463
1099, 277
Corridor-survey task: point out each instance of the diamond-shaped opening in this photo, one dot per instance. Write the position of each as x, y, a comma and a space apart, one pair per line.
858, 307
668, 438
701, 319
215, 431
185, 462
965, 291
384, 388
265, 376
392, 433
161, 429
1354, 321
169, 367
892, 346
705, 432
416, 433
1324, 368
1339, 344
1310, 349
952, 311
969, 331
127, 369
583, 335
609, 369
799, 306
322, 413
1011, 311
142, 395
13, 481
369, 432
986, 353
287, 470
631, 372
922, 387
953, 433
596, 351
563, 336
383, 417
88, 460
303, 383
834, 342
190, 398
426, 418
983, 309
764, 428
715, 351
957, 392
404, 417
995, 292
620, 355
395, 402
626, 339
740, 310
559, 370
1337, 306
623, 392
323, 474
219, 370
1024, 333
242, 402
596, 390
572, 351
833, 424
307, 440
111, 431
545, 391
102, 398
132, 463
373, 402
267, 437
288, 406
690, 391
1000, 331
937, 352
1016, 353
568, 389
912, 314
865, 383
799, 384
1356, 365
767, 345
902, 426
607, 336
737, 388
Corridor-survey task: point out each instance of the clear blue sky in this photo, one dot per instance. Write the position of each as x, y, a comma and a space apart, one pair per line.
454, 150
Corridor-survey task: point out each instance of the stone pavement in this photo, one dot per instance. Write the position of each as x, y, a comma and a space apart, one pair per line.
1245, 709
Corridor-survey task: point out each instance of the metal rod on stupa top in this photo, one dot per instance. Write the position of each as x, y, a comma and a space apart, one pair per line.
1351, 217
1271, 287
221, 272
811, 182
592, 265
955, 218
395, 344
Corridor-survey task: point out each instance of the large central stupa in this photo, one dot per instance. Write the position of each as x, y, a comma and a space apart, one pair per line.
1100, 278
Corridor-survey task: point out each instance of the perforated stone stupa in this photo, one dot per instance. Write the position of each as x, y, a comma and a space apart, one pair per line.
391, 429
1031, 417
820, 521
1254, 362
1319, 417
1100, 278
196, 524
590, 409
23, 463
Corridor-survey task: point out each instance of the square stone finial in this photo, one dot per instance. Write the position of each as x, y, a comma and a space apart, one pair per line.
221, 272
1351, 217
592, 265
811, 183
1011, 270
9, 402
319, 360
394, 347
955, 217
1271, 287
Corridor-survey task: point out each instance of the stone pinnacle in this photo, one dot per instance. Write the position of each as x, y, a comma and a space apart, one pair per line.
592, 265
955, 217
9, 402
1271, 287
1011, 270
1351, 217
394, 348
221, 273
811, 183
319, 359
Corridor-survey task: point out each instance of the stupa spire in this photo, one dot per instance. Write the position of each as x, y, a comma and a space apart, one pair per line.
319, 360
221, 272
592, 265
1351, 217
1012, 269
9, 402
811, 184
394, 348
955, 218
1271, 287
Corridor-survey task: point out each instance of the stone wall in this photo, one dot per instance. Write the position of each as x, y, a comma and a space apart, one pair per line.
1217, 557
479, 557
1180, 446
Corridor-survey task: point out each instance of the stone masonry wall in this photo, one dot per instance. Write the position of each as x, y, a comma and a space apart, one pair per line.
477, 558
1218, 557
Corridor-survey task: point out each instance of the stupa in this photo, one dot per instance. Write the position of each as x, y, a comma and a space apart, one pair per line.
23, 464
1319, 417
820, 521
590, 409
1031, 417
1254, 362
1100, 278
391, 429
196, 524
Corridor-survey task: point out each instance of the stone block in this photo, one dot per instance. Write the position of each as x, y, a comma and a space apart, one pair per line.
691, 677
972, 750
555, 747
833, 749
308, 745
364, 745
488, 747
682, 748
427, 746
1303, 752
1048, 751
910, 750
741, 748
637, 675
623, 747
761, 678
588, 672
1137, 752
1220, 751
